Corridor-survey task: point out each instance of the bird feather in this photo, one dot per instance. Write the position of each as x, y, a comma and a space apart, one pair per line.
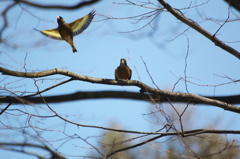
79, 25
52, 33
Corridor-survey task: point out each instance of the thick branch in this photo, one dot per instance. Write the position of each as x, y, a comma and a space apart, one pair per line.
198, 28
76, 6
156, 93
111, 94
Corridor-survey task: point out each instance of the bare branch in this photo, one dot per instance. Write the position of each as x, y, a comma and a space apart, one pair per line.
186, 97
133, 146
76, 6
195, 132
5, 20
110, 94
45, 147
198, 28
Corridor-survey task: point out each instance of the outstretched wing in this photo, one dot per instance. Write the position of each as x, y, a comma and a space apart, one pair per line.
79, 25
51, 33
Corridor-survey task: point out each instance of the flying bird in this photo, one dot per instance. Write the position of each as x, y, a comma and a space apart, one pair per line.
66, 31
123, 72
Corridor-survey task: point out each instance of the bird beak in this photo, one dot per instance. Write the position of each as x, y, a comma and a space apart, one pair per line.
58, 17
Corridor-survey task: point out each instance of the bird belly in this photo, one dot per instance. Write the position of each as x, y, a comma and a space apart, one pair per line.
123, 73
66, 34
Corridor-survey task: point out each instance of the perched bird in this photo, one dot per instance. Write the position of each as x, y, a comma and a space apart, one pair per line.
66, 31
123, 72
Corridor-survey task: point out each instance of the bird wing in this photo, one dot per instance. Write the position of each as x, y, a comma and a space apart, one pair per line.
79, 25
116, 74
51, 33
130, 74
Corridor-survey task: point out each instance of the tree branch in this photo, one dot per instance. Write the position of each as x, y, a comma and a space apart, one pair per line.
3, 145
162, 134
76, 6
157, 94
5, 20
198, 28
110, 94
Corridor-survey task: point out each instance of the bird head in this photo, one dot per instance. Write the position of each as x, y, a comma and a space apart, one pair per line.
60, 20
123, 62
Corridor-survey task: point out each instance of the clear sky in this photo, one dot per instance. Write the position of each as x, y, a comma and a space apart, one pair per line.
103, 44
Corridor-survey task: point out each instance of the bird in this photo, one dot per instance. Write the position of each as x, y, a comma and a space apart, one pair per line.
123, 72
66, 31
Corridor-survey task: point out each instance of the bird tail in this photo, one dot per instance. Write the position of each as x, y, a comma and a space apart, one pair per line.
74, 49
72, 45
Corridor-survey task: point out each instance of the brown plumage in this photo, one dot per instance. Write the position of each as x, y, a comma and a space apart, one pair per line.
123, 72
66, 31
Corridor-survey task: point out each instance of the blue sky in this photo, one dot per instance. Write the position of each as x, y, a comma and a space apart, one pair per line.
102, 45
